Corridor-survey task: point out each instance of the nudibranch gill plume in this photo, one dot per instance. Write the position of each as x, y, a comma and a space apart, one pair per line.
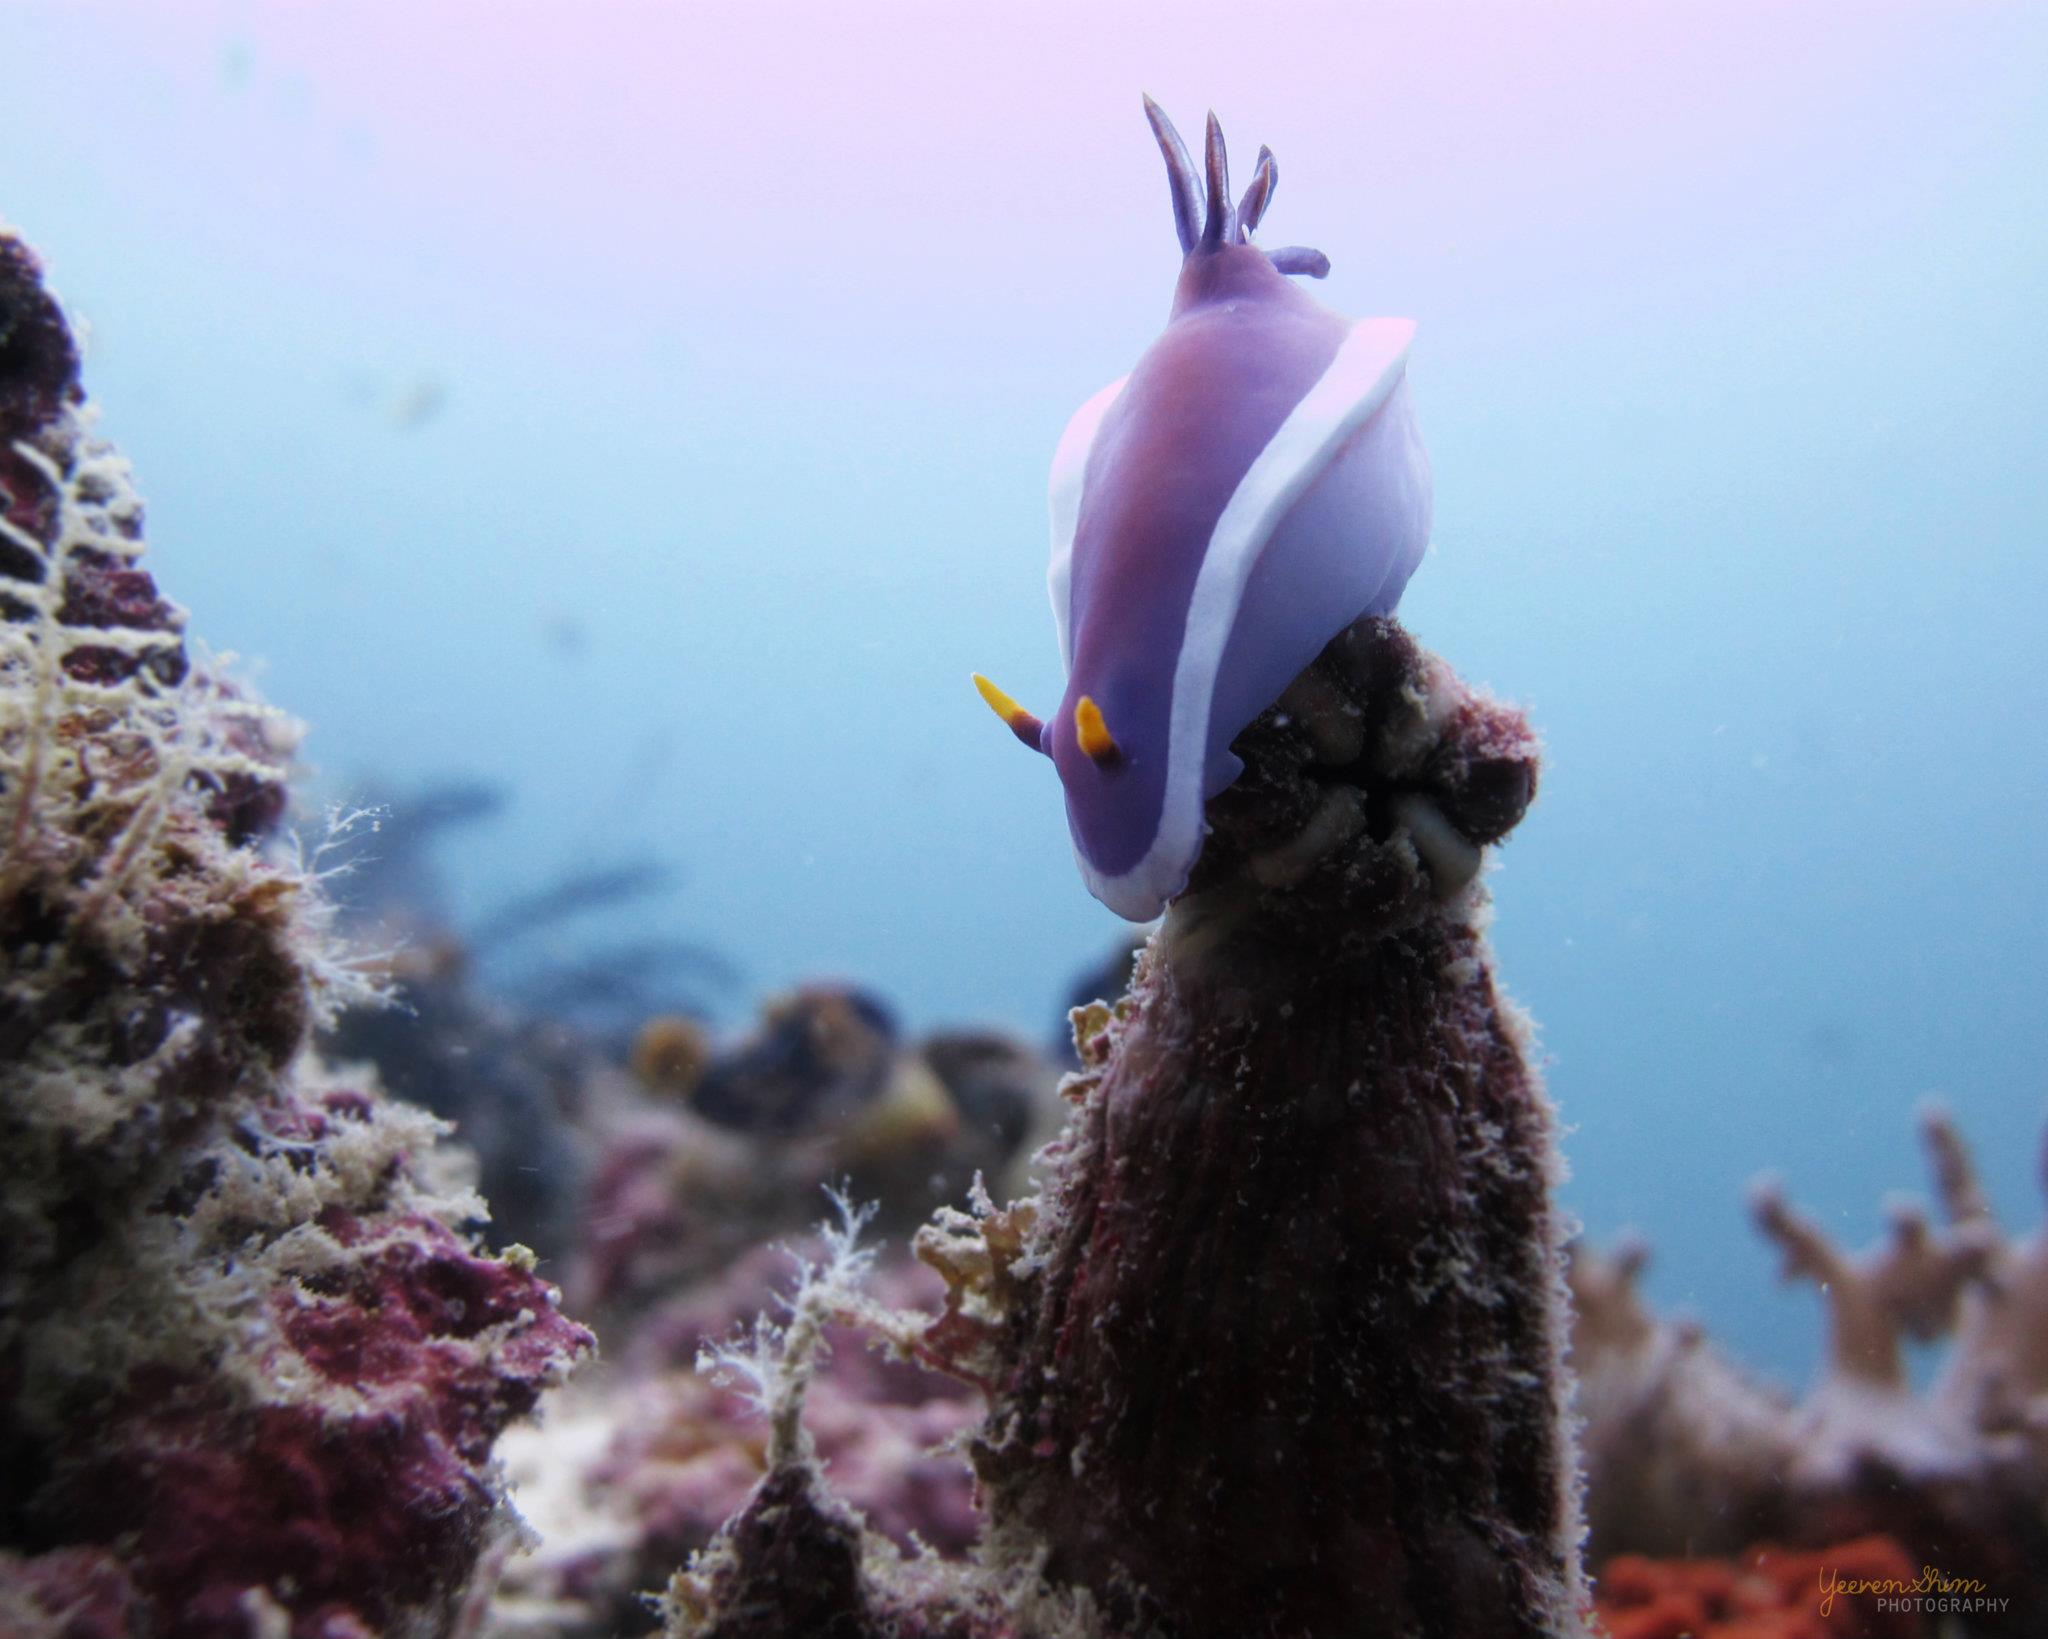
1251, 488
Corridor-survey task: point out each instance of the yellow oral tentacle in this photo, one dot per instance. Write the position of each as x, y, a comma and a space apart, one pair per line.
1022, 724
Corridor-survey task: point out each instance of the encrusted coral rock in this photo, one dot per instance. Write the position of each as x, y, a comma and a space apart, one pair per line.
251, 1369
511, 1086
75, 1593
1280, 1349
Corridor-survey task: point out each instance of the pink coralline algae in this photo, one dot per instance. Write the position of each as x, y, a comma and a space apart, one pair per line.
251, 1365
1688, 1454
1278, 1347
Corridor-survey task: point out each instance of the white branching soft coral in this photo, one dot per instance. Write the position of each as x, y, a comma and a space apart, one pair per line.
771, 1363
251, 1363
640, 1465
797, 1558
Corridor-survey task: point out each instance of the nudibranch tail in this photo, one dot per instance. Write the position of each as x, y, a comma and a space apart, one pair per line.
1029, 729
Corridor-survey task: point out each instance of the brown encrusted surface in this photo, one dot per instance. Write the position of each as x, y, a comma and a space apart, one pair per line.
38, 376
1379, 722
793, 1568
1296, 1330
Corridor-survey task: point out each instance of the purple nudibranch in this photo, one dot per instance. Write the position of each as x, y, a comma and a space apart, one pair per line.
1250, 489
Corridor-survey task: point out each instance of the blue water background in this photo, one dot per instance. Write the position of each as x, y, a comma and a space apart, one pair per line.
658, 425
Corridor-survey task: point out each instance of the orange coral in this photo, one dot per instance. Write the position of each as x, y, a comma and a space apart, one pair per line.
1766, 1593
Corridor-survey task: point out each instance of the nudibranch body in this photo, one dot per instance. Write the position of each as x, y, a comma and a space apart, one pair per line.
1250, 489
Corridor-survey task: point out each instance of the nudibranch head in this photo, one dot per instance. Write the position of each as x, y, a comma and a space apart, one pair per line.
1251, 488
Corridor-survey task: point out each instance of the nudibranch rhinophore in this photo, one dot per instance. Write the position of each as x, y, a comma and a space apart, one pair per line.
1250, 489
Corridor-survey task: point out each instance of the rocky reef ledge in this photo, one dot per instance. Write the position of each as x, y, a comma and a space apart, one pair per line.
252, 1360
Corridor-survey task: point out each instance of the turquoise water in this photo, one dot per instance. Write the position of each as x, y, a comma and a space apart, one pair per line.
649, 413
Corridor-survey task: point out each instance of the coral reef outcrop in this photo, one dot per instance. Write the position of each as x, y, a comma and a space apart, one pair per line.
513, 1087
1688, 1454
252, 1362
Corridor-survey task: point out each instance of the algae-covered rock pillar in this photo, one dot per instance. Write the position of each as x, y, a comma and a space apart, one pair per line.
253, 1359
1279, 1350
